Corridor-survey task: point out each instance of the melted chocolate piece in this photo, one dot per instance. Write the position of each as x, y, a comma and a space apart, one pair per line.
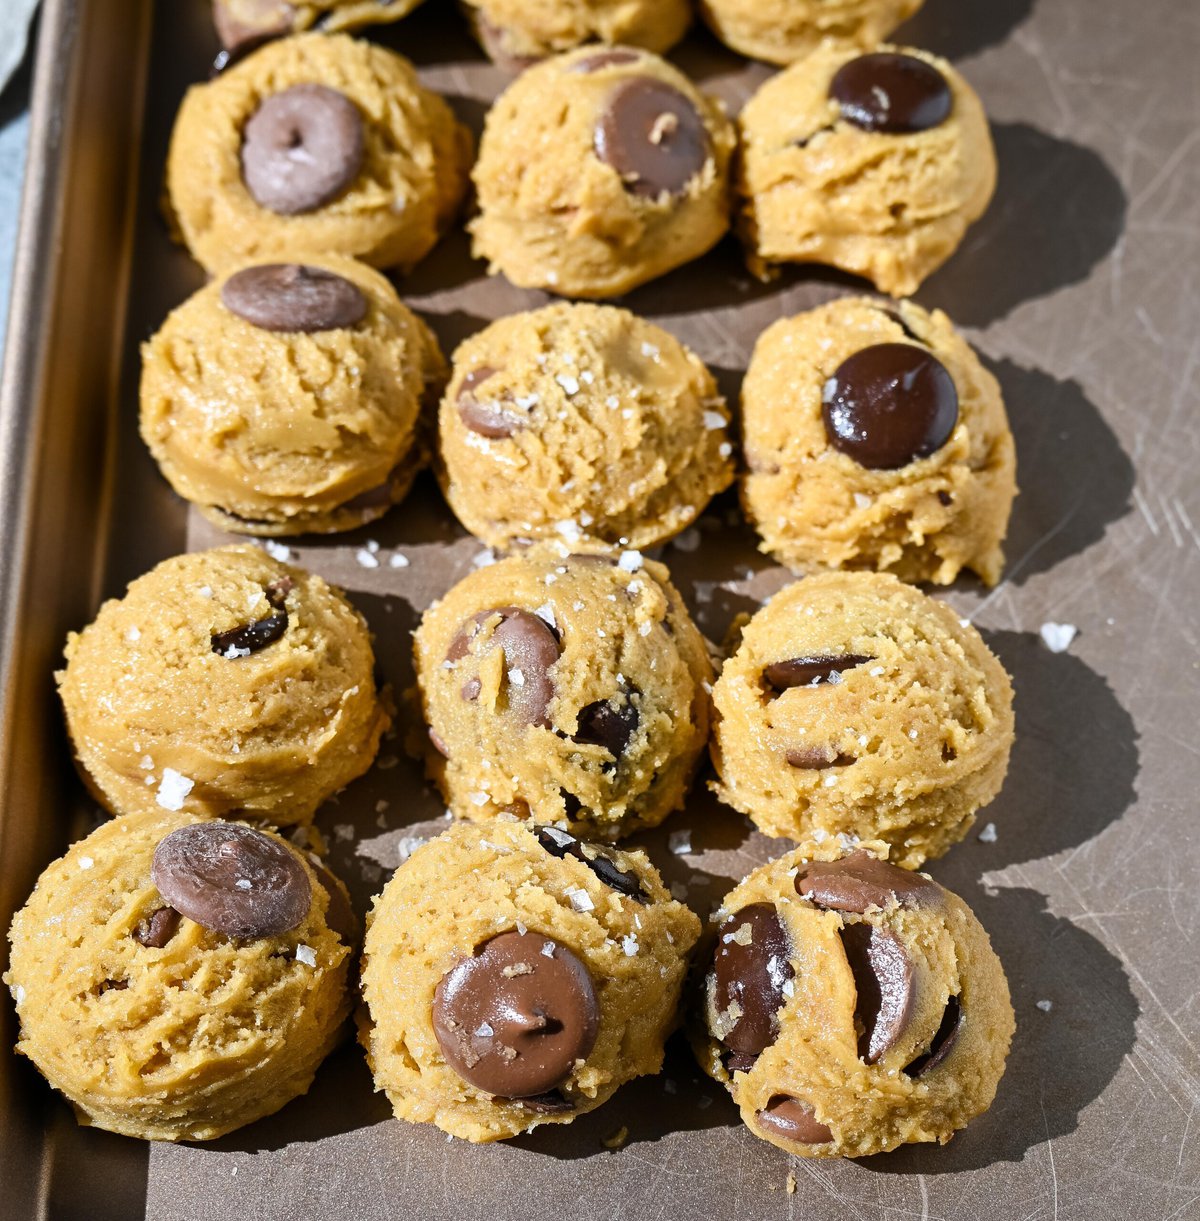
561, 844
943, 1040
860, 881
893, 93
155, 932
751, 976
780, 676
611, 58
293, 297
600, 724
652, 135
884, 981
793, 1120
888, 405
493, 418
513, 1019
302, 148
232, 879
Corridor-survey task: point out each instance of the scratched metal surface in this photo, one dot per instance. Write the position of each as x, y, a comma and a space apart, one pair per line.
1079, 287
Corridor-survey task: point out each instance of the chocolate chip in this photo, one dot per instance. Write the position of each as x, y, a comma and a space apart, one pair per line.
495, 418
600, 724
942, 1041
814, 758
739, 1062
495, 43
651, 134
276, 593
339, 915
884, 981
605, 59
793, 1120
860, 881
552, 1103
379, 497
302, 148
780, 676
514, 1017
239, 641
750, 975
888, 405
293, 297
898, 319
889, 92
232, 879
945, 498
470, 690
438, 744
562, 843
245, 26
155, 932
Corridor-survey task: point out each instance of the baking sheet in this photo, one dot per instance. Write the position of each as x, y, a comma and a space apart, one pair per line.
1078, 287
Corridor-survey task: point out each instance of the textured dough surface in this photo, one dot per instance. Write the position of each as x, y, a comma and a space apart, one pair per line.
208, 1033
926, 721
870, 1108
404, 198
293, 16
619, 630
466, 886
554, 216
817, 507
269, 735
275, 432
781, 31
623, 437
817, 189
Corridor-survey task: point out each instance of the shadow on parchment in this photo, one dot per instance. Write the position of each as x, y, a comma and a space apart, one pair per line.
1062, 1057
1058, 210
955, 30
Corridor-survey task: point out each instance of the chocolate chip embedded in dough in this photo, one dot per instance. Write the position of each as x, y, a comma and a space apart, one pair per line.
551, 1103
611, 58
781, 676
793, 1120
600, 724
885, 983
155, 932
232, 879
240, 641
514, 1018
941, 1043
888, 405
438, 743
750, 967
243, 25
495, 418
816, 758
293, 298
562, 843
531, 647
301, 149
653, 136
890, 92
860, 881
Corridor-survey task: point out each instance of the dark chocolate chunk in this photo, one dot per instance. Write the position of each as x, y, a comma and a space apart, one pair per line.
293, 297
739, 1061
944, 498
600, 724
943, 1040
652, 135
301, 148
884, 981
751, 976
888, 405
780, 676
611, 58
438, 744
793, 1120
514, 1017
889, 92
814, 758
551, 1103
232, 879
495, 418
561, 844
155, 932
860, 881
239, 641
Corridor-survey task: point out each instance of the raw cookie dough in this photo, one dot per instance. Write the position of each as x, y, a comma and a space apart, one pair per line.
286, 398
176, 980
781, 31
515, 976
876, 164
855, 705
517, 33
242, 22
583, 423
851, 1006
315, 143
568, 689
875, 438
223, 683
599, 170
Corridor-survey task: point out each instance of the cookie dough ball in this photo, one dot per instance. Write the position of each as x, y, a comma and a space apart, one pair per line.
223, 683
286, 398
851, 1006
874, 438
598, 171
315, 143
564, 690
855, 705
876, 164
515, 976
176, 980
781, 31
517, 33
243, 22
583, 423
